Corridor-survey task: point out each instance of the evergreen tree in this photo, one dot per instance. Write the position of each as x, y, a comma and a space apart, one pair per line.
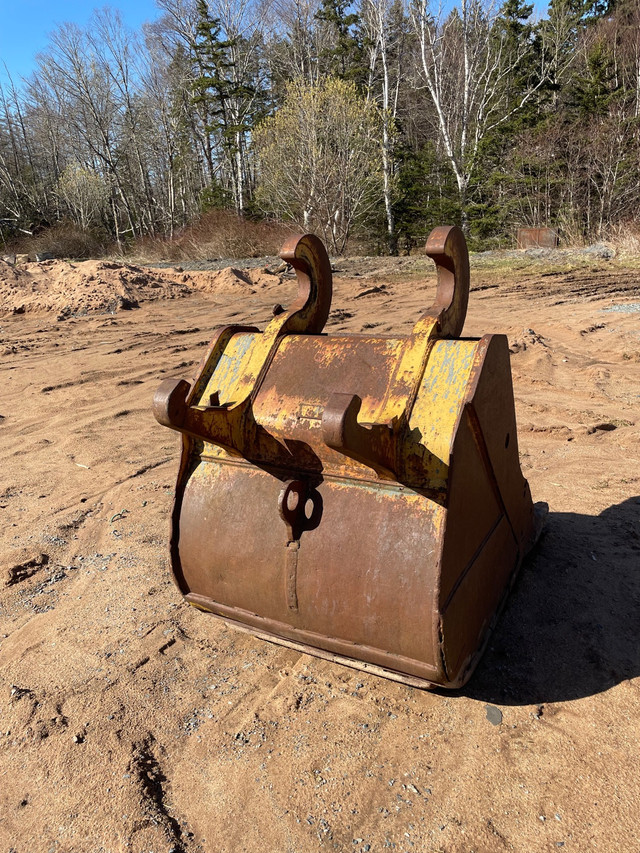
426, 195
231, 103
592, 92
344, 57
514, 29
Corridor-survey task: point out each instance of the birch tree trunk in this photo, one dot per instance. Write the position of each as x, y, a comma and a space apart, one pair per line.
376, 14
465, 67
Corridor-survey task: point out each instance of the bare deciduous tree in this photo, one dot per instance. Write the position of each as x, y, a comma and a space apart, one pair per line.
384, 52
320, 162
465, 67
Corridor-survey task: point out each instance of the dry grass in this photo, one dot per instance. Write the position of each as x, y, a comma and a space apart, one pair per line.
216, 234
62, 240
625, 238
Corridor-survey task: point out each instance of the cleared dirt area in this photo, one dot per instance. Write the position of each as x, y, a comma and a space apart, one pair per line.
131, 722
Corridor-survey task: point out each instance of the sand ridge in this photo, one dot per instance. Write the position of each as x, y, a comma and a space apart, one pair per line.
67, 288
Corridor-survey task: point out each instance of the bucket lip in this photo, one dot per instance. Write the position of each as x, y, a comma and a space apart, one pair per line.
435, 678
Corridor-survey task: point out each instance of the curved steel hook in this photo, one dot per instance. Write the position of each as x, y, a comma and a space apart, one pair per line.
307, 255
447, 247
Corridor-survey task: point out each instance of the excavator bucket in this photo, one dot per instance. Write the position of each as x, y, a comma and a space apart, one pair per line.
356, 497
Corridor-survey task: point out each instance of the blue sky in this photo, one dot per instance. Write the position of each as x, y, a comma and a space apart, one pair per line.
25, 25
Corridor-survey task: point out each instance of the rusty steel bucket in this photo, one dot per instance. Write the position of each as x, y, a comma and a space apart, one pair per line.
356, 497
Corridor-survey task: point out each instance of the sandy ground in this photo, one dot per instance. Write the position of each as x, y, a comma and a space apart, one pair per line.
131, 722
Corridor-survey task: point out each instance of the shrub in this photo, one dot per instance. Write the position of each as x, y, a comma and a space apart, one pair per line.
63, 240
216, 234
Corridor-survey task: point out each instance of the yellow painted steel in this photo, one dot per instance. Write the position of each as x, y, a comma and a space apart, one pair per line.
442, 392
444, 368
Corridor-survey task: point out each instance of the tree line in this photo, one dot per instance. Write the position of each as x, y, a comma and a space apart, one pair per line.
376, 119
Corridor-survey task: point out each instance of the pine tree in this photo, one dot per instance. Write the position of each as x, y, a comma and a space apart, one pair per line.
426, 196
344, 59
592, 92
231, 105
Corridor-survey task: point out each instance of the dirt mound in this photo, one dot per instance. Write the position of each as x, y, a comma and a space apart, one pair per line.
70, 289
232, 280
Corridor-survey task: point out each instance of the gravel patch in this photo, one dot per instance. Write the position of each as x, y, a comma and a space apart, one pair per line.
629, 308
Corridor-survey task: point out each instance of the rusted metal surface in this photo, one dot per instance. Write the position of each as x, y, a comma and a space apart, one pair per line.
536, 238
356, 497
